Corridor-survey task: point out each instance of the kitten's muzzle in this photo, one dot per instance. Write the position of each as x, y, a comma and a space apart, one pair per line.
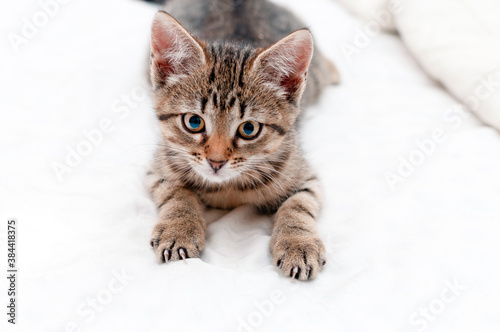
216, 165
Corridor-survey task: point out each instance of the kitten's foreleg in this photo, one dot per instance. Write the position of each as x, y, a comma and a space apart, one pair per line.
180, 231
297, 248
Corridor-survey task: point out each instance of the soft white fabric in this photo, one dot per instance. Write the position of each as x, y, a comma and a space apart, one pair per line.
390, 252
458, 43
380, 11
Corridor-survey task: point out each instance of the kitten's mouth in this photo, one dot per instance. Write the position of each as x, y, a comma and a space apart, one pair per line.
216, 165
216, 172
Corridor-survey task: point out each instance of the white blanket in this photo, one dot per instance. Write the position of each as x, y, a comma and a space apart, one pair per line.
411, 220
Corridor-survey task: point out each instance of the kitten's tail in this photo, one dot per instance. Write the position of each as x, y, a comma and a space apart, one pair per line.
236, 2
160, 2
333, 75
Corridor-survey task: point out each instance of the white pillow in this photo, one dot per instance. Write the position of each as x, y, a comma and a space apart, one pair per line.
458, 43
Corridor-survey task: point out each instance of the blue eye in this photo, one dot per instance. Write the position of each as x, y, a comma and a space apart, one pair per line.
193, 123
249, 129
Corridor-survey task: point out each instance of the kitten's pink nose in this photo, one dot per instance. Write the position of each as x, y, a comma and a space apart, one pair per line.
216, 165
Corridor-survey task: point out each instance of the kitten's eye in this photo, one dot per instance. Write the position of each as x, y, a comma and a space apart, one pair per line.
193, 123
249, 130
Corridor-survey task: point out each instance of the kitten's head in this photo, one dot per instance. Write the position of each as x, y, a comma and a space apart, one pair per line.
225, 110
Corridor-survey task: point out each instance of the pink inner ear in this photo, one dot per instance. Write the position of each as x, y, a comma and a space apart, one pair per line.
297, 77
160, 45
285, 63
174, 50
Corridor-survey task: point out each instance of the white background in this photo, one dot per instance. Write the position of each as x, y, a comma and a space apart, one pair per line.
391, 253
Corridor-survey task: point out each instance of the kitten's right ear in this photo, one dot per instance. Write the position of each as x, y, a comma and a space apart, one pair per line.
174, 52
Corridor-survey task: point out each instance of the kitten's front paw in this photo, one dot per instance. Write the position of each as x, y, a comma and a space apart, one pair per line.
299, 256
177, 240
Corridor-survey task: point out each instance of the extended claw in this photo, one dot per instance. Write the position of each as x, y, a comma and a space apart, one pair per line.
166, 255
308, 271
182, 253
295, 271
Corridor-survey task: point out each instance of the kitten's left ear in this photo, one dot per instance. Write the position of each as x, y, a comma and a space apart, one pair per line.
283, 65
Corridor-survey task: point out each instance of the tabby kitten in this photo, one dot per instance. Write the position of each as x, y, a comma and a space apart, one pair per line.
227, 96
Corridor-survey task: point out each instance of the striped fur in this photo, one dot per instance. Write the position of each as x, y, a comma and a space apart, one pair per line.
228, 75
